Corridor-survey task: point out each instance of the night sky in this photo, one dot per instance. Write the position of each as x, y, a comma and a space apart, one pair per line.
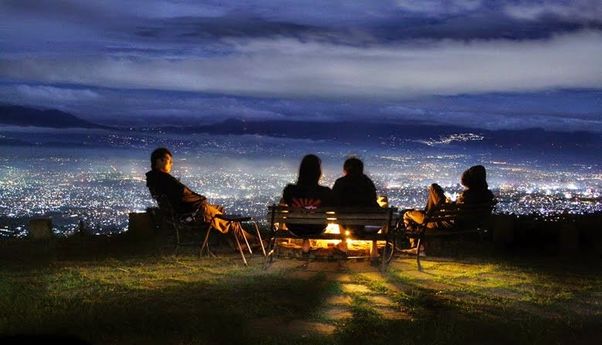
490, 64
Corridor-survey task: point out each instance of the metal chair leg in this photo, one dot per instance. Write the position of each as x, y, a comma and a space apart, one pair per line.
205, 246
269, 257
242, 254
242, 232
259, 237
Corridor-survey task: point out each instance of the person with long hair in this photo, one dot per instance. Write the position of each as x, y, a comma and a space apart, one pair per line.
307, 193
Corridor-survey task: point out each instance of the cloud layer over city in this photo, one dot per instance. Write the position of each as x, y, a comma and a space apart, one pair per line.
494, 64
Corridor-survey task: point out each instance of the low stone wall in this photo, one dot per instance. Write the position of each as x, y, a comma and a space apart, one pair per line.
560, 235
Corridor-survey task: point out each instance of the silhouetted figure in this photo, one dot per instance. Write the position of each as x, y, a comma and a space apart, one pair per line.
308, 194
182, 199
354, 189
476, 192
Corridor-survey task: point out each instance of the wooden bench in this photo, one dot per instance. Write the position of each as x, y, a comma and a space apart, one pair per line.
385, 218
454, 219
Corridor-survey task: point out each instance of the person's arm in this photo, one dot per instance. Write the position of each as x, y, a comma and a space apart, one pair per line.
188, 196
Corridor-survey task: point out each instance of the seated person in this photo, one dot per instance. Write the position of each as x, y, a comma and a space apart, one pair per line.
308, 194
182, 199
354, 189
476, 192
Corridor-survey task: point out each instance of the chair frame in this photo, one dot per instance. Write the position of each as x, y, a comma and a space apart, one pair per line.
464, 219
180, 221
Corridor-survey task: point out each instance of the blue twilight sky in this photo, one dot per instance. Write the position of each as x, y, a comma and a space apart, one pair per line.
481, 63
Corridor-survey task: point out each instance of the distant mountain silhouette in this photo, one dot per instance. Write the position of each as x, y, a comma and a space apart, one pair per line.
379, 133
30, 117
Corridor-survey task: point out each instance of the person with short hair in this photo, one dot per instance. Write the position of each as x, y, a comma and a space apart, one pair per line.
183, 200
354, 189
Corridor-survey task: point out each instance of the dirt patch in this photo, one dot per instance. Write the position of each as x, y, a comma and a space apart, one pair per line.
339, 300
338, 314
341, 278
355, 288
381, 301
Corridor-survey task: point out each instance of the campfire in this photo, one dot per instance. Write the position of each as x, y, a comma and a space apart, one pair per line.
325, 247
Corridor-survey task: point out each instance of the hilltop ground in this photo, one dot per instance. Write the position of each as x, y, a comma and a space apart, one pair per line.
148, 298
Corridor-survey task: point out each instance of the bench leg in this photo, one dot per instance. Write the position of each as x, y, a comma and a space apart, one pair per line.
387, 254
269, 257
418, 245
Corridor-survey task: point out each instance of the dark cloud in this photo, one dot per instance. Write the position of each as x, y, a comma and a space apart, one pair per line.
289, 58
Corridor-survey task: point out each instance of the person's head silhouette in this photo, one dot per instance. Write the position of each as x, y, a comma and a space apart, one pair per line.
310, 170
161, 160
353, 167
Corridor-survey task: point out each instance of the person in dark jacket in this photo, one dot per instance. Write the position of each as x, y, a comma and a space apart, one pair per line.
476, 191
309, 194
354, 189
160, 182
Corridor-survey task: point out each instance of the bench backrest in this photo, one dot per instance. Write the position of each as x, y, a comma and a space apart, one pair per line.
384, 217
465, 213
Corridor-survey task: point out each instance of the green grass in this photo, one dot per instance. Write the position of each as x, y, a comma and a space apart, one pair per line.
161, 299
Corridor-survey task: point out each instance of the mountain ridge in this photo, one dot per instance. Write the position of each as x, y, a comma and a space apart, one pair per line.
21, 116
381, 133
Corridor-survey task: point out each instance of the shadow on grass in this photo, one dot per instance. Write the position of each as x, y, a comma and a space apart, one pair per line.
223, 310
205, 313
444, 312
440, 321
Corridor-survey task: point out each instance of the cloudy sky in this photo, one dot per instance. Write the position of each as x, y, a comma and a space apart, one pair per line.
480, 63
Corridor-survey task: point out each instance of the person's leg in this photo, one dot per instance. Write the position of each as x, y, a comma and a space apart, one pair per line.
413, 217
209, 213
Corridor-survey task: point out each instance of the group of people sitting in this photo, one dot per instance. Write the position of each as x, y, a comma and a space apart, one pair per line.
353, 189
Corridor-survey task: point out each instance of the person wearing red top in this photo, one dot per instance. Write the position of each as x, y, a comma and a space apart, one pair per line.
309, 194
